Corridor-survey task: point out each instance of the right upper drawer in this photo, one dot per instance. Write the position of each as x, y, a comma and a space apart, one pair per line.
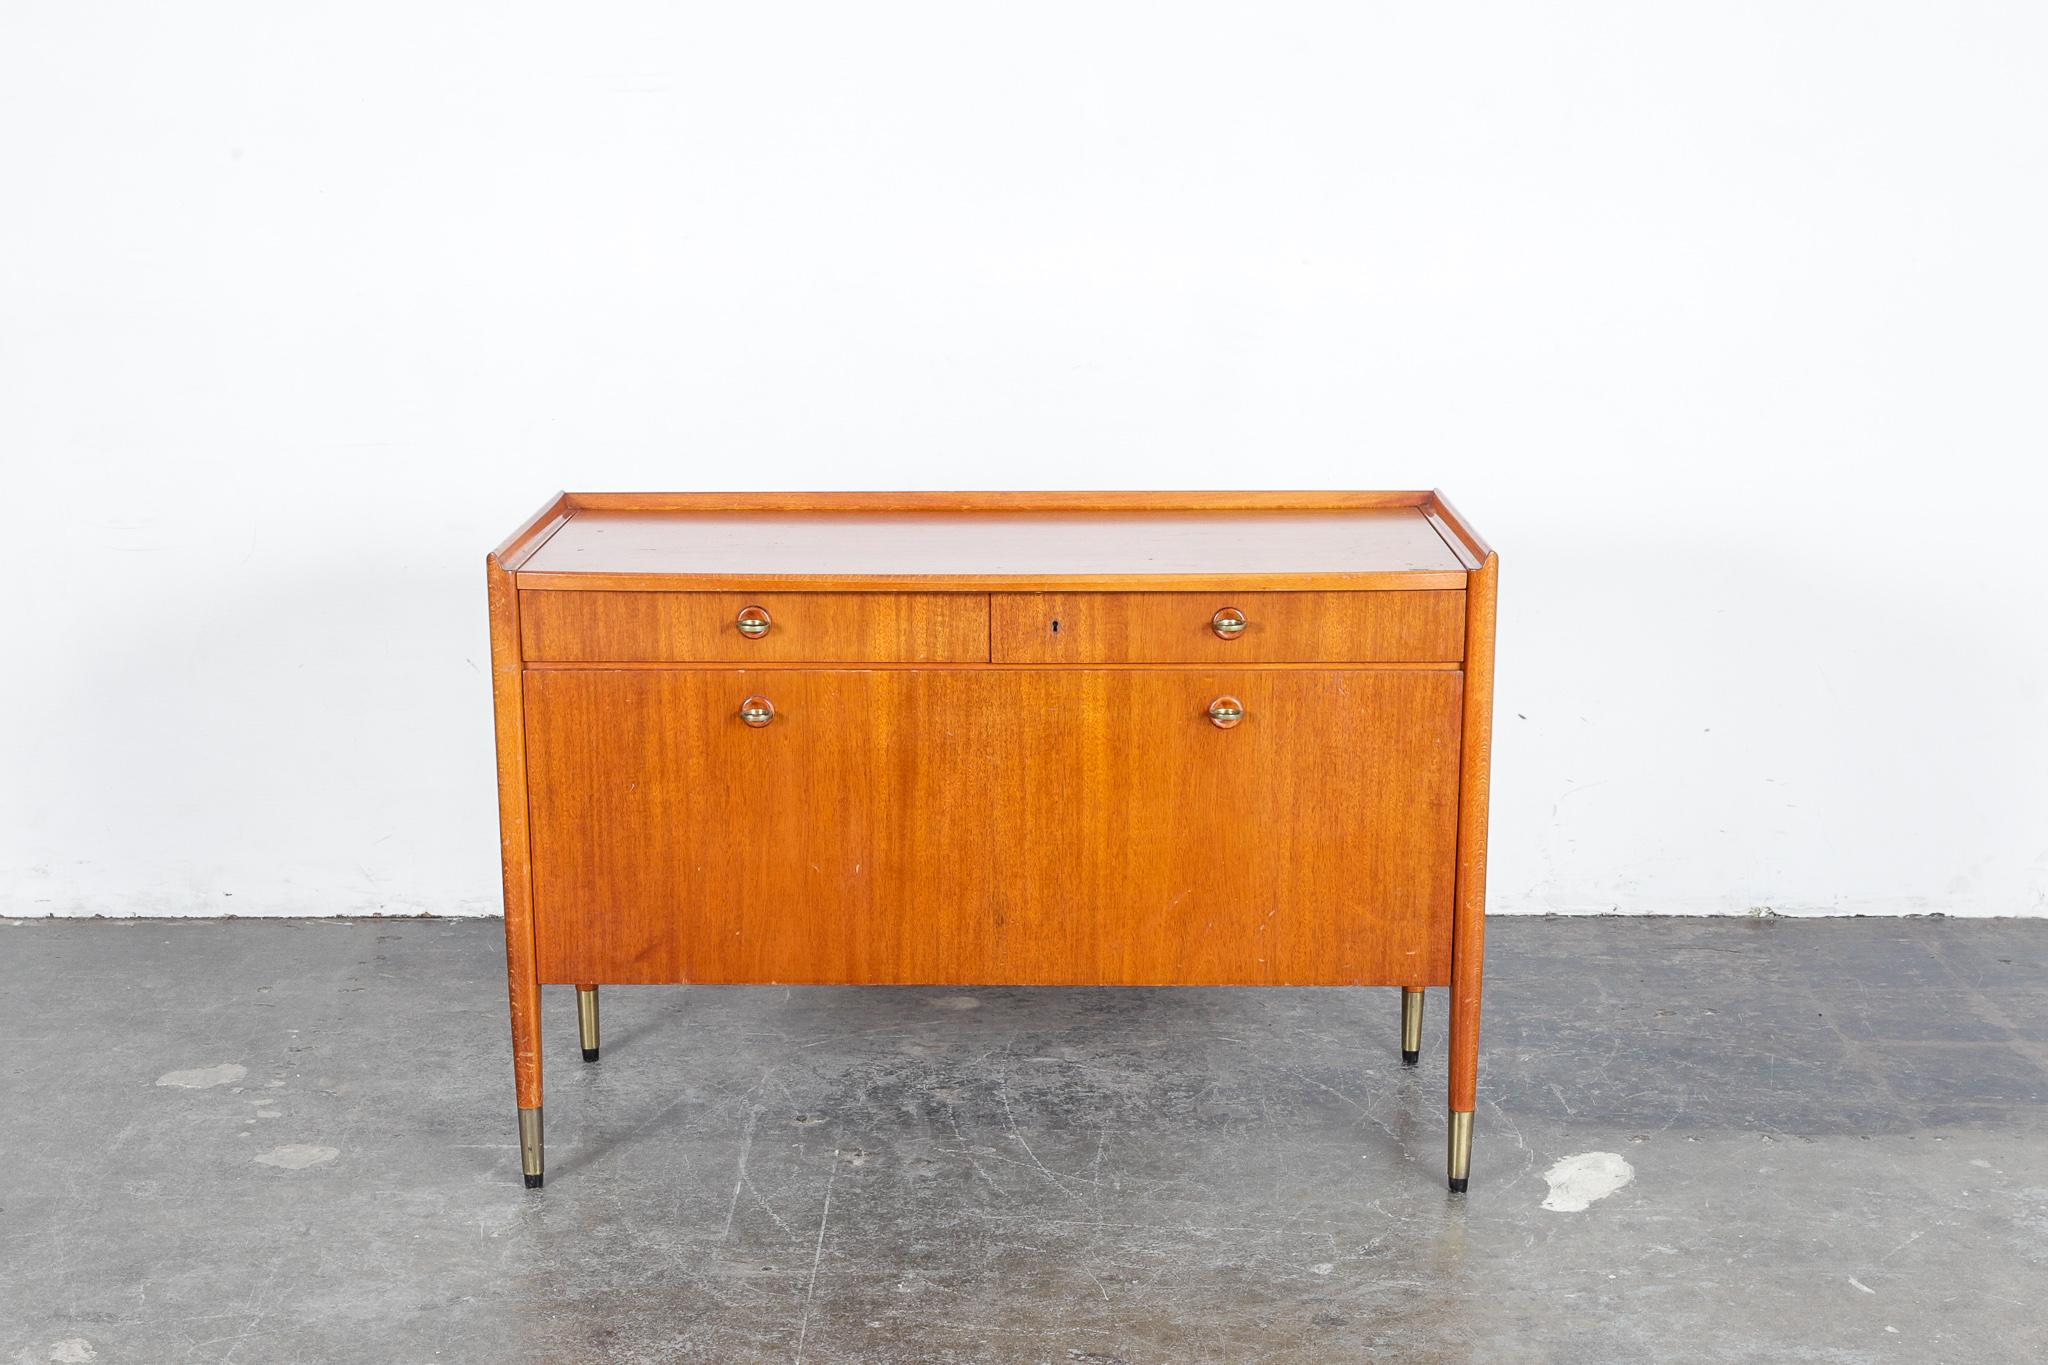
1425, 626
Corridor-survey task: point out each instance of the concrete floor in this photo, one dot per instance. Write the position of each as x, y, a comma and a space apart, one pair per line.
275, 1141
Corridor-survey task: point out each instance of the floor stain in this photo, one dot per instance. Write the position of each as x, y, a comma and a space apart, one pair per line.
296, 1156
1577, 1182
205, 1077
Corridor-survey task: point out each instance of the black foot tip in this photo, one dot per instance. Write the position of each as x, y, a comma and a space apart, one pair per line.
1410, 1058
590, 1054
533, 1181
1457, 1186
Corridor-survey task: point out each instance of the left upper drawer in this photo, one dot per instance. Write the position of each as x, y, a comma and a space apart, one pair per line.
740, 628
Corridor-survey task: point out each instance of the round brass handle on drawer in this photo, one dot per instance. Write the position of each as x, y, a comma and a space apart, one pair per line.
753, 622
757, 711
1225, 712
1229, 623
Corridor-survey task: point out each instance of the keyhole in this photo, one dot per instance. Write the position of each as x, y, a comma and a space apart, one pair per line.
1055, 627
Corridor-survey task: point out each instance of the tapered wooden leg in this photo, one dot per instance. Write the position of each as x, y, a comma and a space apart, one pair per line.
1411, 1026
524, 989
526, 1075
586, 1020
522, 977
1468, 914
1464, 1071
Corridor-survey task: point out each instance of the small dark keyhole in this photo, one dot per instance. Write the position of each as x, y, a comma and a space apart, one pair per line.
1055, 627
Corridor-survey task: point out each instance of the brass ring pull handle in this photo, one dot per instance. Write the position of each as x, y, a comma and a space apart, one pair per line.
1225, 712
757, 711
1229, 623
753, 622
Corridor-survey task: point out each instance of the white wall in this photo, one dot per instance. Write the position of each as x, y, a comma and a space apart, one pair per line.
1724, 321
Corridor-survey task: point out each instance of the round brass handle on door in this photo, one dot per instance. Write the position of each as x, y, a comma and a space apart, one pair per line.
1229, 623
757, 711
1225, 712
753, 622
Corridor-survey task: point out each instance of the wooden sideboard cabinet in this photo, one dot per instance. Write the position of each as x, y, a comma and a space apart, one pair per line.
1105, 739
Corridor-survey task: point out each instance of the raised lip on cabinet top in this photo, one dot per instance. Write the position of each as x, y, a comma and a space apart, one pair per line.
1441, 559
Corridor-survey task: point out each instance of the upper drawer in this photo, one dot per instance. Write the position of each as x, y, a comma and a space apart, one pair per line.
1182, 627
800, 627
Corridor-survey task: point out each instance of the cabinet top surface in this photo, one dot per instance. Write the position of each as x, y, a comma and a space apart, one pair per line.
984, 540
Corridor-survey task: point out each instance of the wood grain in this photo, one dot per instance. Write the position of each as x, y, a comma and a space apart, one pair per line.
1138, 844
989, 826
1281, 627
702, 627
844, 841
1475, 780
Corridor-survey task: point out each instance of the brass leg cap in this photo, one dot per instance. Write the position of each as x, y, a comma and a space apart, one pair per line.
1460, 1154
1411, 1027
586, 1020
532, 1148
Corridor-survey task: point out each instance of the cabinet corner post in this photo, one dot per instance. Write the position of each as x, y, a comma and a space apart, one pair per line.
522, 978
1468, 919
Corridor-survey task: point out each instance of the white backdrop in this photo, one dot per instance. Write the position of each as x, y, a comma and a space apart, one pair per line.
1723, 321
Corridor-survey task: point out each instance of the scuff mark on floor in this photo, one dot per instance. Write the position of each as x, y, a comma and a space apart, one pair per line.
205, 1077
817, 1255
296, 1156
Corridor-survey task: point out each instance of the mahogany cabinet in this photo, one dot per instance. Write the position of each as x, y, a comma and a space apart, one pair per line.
1111, 739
